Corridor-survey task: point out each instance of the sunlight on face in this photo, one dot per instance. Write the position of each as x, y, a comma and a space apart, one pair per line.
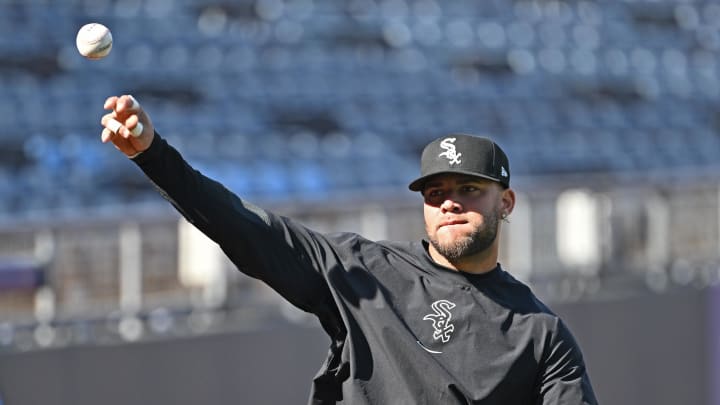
461, 215
455, 246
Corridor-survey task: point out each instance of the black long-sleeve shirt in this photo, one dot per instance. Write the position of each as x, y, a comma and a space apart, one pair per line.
404, 330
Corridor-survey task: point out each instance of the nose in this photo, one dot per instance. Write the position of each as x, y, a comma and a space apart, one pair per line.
450, 205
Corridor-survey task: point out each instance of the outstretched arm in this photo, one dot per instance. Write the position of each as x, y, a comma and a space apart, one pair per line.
287, 256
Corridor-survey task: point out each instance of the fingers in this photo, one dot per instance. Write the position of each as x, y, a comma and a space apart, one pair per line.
132, 126
113, 125
109, 122
122, 106
126, 109
105, 120
135, 105
111, 132
107, 135
110, 103
137, 130
127, 126
127, 104
118, 141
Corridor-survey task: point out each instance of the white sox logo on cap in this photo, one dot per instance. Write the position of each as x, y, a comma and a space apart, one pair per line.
448, 144
481, 157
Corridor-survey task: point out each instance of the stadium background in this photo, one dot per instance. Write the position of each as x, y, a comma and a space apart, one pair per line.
318, 109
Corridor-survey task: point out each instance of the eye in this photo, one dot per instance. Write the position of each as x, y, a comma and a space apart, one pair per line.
433, 193
471, 189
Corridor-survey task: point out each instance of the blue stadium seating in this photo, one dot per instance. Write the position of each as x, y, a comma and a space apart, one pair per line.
276, 97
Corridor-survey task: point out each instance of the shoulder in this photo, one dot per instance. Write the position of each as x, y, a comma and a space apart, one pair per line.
519, 296
361, 244
370, 250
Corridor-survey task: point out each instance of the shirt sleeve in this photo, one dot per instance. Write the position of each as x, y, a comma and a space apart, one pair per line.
287, 256
564, 379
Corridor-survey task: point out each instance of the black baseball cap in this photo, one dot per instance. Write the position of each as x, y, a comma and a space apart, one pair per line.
465, 154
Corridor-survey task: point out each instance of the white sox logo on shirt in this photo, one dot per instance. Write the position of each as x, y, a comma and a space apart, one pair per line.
448, 144
441, 320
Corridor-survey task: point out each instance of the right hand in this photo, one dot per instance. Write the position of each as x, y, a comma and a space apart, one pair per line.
128, 113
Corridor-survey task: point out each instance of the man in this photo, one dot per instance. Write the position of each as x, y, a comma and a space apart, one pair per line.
426, 322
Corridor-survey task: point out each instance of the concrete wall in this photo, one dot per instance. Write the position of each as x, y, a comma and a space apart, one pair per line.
649, 349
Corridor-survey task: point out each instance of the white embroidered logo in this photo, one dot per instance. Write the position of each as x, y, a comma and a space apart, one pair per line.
503, 172
441, 320
448, 144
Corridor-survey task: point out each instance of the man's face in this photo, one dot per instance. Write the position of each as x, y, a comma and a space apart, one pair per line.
461, 214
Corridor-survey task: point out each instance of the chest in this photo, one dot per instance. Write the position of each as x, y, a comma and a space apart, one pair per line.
458, 331
453, 321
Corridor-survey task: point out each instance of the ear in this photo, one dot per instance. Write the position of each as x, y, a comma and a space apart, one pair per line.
507, 201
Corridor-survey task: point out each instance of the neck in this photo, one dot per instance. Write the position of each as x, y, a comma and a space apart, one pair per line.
478, 263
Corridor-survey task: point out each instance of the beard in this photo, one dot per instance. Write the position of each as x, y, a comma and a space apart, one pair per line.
478, 241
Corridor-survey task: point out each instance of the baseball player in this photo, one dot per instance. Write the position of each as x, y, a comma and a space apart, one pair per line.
435, 321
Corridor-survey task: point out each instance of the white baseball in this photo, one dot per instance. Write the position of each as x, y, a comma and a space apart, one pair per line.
94, 41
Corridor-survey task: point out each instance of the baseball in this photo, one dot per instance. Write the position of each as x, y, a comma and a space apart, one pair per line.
94, 41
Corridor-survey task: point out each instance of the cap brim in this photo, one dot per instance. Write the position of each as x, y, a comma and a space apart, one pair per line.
419, 183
